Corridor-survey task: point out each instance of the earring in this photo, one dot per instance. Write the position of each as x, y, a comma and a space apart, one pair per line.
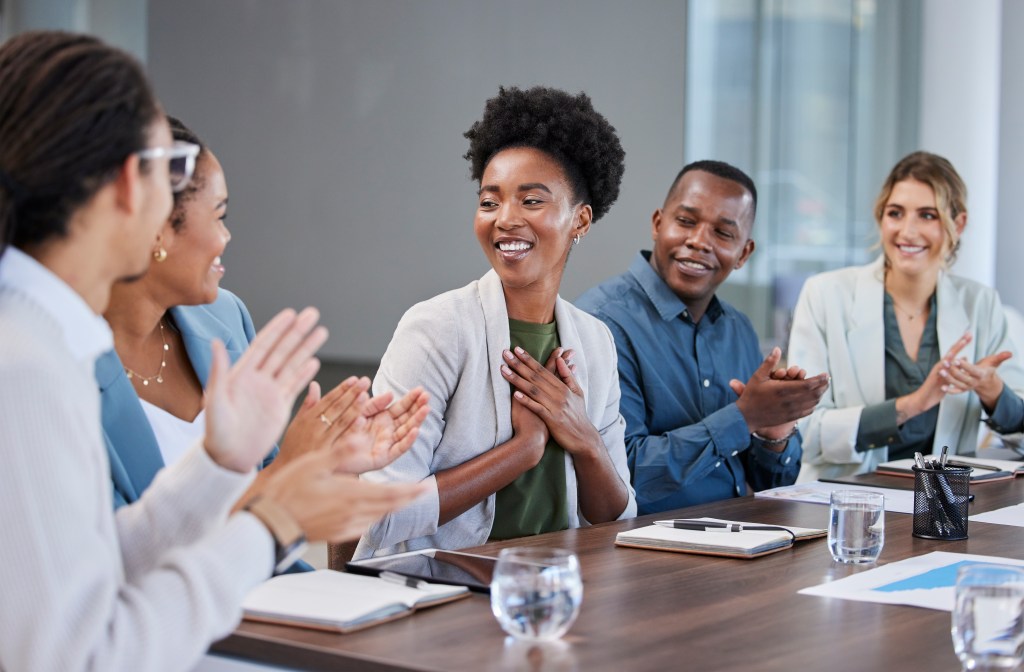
159, 254
576, 239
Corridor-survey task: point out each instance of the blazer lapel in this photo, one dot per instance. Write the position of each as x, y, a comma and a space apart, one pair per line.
569, 338
197, 332
866, 332
495, 316
131, 444
952, 323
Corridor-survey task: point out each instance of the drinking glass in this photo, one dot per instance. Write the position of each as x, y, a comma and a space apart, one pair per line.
536, 592
988, 617
856, 525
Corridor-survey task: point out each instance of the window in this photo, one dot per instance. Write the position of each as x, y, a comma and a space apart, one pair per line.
816, 100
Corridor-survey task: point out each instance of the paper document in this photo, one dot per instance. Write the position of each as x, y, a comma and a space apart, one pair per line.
924, 581
896, 501
1009, 515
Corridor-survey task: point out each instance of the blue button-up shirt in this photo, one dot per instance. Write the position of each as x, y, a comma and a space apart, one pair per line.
686, 440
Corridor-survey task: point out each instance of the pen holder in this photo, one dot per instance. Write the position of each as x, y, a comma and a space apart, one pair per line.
940, 502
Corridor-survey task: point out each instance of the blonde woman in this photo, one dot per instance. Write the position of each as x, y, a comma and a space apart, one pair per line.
917, 355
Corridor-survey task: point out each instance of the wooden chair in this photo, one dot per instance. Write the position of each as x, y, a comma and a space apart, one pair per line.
339, 554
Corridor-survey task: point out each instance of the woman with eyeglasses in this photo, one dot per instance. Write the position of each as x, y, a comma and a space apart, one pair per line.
917, 355
524, 434
163, 324
86, 164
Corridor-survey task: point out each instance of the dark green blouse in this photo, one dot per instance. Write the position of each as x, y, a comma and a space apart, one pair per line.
535, 502
903, 375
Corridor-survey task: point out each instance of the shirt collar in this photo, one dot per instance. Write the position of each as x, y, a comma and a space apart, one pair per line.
665, 301
87, 334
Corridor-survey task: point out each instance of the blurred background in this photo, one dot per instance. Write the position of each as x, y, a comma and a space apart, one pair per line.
339, 124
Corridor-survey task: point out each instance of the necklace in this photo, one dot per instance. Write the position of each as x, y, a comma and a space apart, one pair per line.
910, 315
159, 377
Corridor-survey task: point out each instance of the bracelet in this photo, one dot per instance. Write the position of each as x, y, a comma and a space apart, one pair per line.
774, 442
289, 540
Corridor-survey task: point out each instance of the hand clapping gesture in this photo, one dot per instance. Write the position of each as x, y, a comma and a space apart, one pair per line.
348, 410
774, 399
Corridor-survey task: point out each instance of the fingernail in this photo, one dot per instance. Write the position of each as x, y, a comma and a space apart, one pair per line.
508, 355
520, 351
507, 371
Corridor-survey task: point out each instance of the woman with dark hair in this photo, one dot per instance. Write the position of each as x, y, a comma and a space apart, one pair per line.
524, 434
87, 164
163, 324
914, 352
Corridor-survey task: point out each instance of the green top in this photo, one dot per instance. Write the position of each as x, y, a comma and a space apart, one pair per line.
537, 501
902, 376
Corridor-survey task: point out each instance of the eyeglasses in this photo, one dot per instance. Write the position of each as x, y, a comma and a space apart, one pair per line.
182, 161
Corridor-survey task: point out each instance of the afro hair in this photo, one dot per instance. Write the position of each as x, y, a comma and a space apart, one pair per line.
564, 126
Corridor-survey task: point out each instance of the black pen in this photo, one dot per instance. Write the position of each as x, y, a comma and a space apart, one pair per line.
712, 526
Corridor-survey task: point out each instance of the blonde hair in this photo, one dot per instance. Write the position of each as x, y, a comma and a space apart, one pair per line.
949, 189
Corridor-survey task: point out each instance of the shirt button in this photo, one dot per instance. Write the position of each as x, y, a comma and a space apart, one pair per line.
739, 491
786, 461
871, 445
735, 453
707, 383
717, 465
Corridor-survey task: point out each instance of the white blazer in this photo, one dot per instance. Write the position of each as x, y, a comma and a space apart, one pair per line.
451, 345
838, 328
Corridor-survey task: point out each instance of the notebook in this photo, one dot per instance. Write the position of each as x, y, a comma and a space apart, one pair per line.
984, 468
746, 544
340, 602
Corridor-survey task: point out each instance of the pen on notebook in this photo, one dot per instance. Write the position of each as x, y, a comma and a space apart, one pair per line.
711, 526
391, 577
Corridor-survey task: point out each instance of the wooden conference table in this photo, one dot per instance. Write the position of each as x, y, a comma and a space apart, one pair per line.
655, 610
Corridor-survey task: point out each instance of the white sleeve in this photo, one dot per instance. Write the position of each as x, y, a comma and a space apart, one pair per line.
67, 604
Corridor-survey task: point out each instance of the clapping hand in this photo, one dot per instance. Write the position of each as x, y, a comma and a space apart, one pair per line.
348, 410
248, 405
774, 399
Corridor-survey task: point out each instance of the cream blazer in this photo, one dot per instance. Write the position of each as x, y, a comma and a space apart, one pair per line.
838, 328
451, 345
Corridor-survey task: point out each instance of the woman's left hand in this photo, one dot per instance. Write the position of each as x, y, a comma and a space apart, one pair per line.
981, 377
553, 394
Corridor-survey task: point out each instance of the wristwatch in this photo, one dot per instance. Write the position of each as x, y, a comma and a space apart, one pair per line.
289, 540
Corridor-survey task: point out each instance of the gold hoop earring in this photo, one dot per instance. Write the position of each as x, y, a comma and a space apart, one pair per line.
159, 255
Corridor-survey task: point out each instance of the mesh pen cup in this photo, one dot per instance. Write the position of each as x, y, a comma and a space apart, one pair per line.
940, 502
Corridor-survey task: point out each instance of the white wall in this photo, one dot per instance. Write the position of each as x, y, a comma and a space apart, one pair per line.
340, 128
960, 103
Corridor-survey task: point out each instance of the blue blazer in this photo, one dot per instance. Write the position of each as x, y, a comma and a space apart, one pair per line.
131, 444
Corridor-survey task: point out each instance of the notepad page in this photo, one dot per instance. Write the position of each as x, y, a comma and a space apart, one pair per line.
330, 597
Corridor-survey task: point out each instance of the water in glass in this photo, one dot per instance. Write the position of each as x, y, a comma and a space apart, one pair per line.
988, 617
856, 529
536, 593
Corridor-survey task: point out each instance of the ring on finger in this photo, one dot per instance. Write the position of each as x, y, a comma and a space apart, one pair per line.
324, 419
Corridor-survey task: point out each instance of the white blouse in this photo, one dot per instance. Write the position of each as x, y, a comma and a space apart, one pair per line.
174, 435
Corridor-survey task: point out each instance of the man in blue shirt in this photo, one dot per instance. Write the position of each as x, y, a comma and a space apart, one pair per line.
694, 432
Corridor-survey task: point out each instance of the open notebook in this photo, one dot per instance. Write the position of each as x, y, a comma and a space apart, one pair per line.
746, 544
984, 468
340, 602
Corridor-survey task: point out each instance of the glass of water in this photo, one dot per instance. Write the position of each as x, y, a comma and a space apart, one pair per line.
536, 592
856, 525
988, 617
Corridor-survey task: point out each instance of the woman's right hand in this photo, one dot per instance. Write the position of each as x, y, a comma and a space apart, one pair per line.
248, 404
530, 429
325, 421
935, 387
332, 506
